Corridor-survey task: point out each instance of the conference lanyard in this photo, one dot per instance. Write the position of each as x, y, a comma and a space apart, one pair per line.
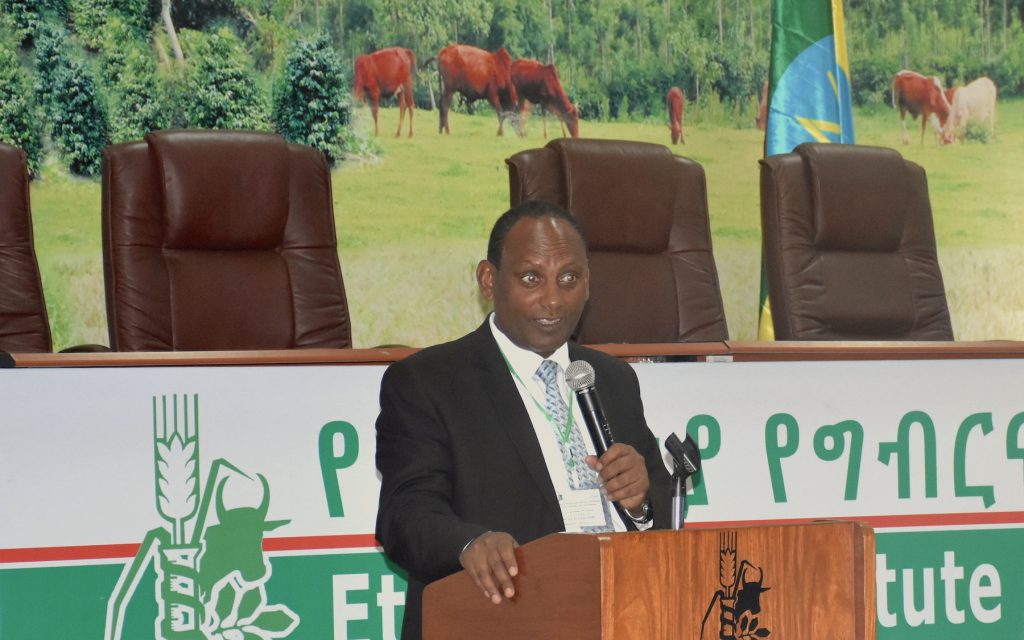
561, 433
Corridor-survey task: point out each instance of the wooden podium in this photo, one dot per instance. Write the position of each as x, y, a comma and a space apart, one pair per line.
787, 582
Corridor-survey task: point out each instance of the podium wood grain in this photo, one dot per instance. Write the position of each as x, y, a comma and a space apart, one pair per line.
817, 581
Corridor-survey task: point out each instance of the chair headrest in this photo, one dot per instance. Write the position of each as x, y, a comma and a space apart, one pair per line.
222, 189
621, 192
859, 195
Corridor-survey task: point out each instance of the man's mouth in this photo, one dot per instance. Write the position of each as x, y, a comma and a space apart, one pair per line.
548, 322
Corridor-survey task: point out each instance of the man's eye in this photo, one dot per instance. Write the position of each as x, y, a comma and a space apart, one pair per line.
568, 278
530, 279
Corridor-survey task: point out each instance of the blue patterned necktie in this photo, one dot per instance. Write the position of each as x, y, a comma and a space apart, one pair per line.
573, 449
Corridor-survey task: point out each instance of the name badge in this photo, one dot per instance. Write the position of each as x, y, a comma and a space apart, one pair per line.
582, 508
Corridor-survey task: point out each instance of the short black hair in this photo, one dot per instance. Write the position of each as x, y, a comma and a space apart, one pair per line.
528, 209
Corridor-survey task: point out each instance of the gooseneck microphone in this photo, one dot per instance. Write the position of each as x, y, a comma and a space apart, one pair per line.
686, 456
579, 375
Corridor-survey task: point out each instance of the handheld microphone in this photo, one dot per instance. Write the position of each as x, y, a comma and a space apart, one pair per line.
579, 375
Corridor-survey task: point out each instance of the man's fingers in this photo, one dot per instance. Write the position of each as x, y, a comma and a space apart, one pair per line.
621, 460
490, 561
485, 582
624, 475
630, 497
501, 574
614, 453
508, 556
619, 477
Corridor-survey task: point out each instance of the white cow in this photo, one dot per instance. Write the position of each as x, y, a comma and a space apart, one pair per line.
973, 104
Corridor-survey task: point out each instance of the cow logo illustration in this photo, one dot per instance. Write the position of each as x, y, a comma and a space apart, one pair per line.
210, 577
739, 599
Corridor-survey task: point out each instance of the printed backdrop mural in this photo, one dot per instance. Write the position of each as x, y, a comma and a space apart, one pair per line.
413, 212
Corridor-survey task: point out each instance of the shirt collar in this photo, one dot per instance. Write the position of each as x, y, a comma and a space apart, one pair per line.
524, 361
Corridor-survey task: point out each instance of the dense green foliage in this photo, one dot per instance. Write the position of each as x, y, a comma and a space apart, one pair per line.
50, 48
19, 120
616, 58
117, 45
311, 103
220, 89
137, 101
90, 18
22, 17
79, 117
87, 20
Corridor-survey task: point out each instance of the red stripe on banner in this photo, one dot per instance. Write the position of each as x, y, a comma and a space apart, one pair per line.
309, 543
58, 554
110, 551
368, 541
883, 522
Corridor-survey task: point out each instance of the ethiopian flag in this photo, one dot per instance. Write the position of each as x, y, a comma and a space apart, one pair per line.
809, 90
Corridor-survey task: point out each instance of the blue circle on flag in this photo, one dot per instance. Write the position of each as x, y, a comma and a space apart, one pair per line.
811, 102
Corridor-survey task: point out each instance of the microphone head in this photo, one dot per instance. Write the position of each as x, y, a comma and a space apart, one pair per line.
685, 453
579, 375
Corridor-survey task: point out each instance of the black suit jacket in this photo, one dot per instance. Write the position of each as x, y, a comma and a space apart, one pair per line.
458, 456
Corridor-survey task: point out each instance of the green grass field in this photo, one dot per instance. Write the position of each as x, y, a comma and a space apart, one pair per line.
413, 223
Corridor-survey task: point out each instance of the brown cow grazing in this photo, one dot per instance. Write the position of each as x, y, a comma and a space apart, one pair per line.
387, 72
762, 108
914, 93
675, 101
477, 74
539, 84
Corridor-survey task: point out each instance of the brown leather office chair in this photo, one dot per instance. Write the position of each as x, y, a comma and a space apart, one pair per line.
220, 240
849, 246
24, 327
645, 215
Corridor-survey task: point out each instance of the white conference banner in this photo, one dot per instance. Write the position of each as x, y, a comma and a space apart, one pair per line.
96, 462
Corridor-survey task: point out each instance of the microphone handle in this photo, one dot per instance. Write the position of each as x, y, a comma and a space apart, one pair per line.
593, 415
601, 436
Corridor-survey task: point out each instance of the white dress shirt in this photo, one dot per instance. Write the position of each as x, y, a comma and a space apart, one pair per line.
525, 363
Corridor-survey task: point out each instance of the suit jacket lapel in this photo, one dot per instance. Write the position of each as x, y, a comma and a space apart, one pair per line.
510, 414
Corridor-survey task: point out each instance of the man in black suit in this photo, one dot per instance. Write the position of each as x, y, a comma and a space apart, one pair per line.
475, 439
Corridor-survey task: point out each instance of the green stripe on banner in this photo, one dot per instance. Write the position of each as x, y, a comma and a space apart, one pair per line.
66, 603
950, 585
347, 595
933, 584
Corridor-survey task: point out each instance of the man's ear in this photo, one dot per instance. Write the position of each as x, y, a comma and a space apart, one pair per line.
485, 275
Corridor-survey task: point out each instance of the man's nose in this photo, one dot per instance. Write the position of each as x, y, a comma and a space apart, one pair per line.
552, 294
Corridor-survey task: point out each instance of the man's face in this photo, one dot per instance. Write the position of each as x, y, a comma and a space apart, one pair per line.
542, 285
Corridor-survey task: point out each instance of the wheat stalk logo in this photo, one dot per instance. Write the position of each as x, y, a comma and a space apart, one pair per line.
739, 599
176, 444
